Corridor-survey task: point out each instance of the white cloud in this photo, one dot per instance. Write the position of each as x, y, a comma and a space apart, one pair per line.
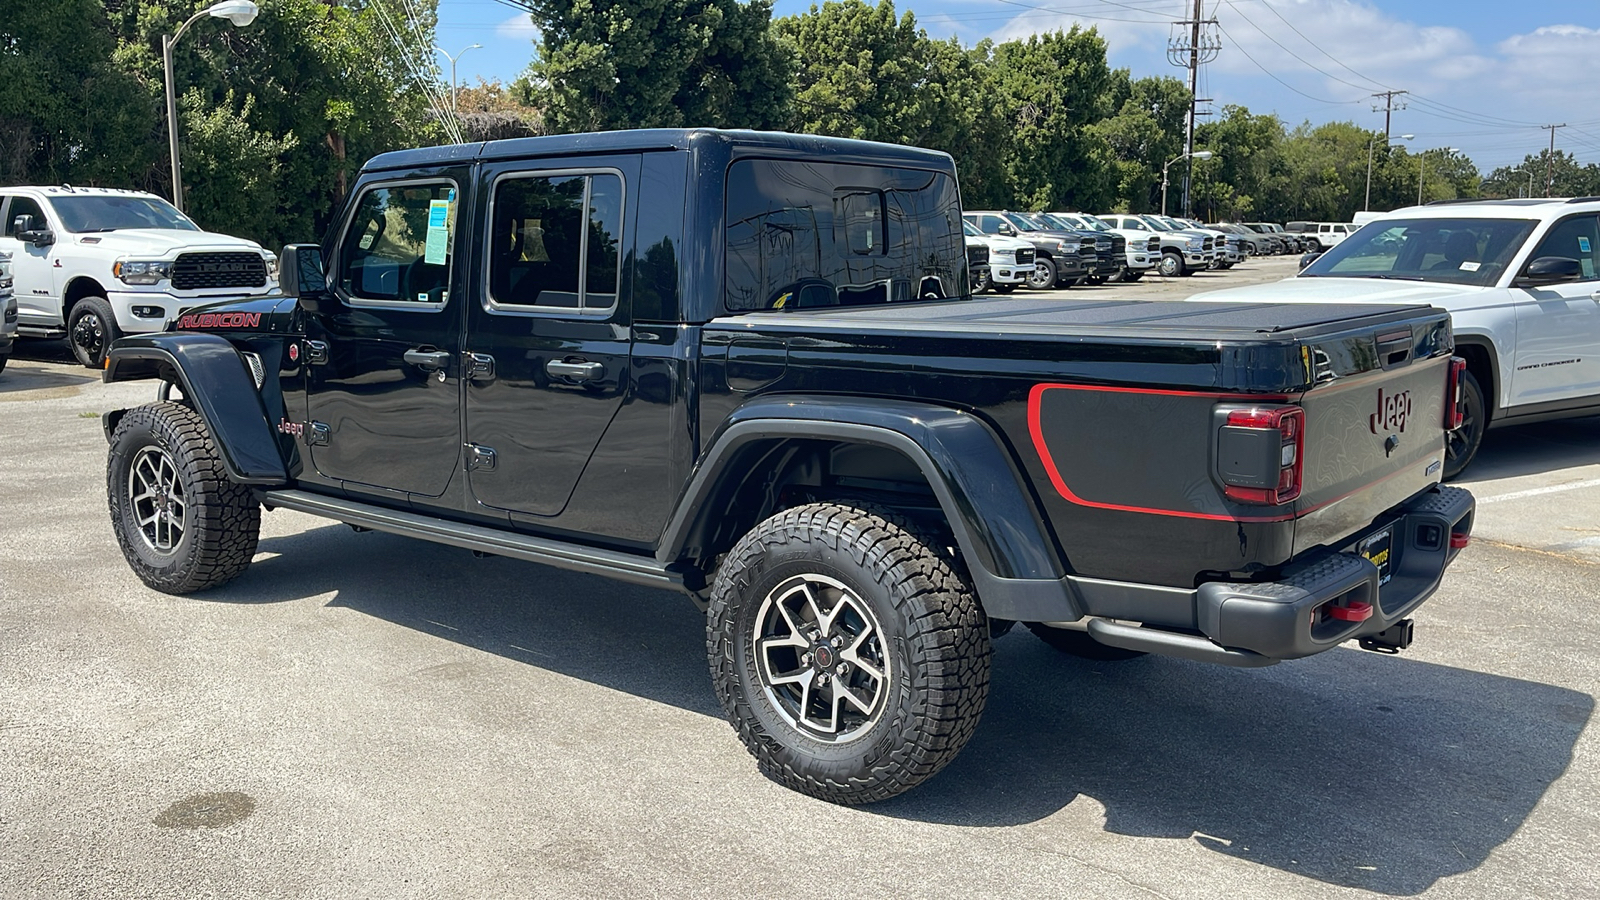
519, 27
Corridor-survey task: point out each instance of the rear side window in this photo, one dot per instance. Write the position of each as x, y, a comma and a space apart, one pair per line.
555, 241
399, 245
1575, 238
805, 234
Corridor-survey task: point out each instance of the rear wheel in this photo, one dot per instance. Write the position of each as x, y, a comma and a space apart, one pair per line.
1078, 643
182, 524
1462, 444
1171, 264
852, 658
91, 327
1043, 276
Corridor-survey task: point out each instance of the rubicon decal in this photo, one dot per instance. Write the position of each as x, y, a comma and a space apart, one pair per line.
221, 320
1393, 412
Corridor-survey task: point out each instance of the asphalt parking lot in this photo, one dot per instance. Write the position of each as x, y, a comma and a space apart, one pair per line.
362, 715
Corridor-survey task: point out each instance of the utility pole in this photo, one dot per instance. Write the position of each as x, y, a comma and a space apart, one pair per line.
1550, 161
1388, 109
1191, 50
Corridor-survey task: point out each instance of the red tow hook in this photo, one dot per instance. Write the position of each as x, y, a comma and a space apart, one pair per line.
1357, 611
1459, 541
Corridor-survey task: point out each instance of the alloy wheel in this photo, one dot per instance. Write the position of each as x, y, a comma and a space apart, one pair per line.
820, 657
156, 495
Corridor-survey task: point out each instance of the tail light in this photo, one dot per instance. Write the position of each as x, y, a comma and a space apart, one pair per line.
1261, 454
1454, 413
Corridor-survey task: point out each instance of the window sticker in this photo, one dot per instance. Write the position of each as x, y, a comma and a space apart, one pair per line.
422, 296
1470, 266
366, 241
438, 232
1583, 244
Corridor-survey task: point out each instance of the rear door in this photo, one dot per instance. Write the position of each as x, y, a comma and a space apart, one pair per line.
1558, 326
548, 345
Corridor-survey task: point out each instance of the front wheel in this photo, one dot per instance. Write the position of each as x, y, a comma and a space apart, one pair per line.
1043, 276
1171, 265
91, 327
182, 524
852, 658
1462, 444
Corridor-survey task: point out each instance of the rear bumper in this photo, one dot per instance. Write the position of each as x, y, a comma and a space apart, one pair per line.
1324, 598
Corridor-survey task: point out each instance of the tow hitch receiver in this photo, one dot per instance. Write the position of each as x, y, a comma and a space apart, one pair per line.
1393, 639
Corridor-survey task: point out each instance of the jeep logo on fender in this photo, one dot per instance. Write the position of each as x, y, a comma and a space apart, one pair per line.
221, 320
1393, 411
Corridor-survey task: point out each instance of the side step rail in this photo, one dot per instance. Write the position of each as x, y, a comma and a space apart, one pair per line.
1171, 643
642, 570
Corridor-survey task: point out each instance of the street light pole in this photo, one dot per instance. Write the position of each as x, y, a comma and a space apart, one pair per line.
454, 107
1198, 154
240, 13
1367, 206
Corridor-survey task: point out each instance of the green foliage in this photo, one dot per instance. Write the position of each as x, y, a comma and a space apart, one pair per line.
606, 64
1570, 179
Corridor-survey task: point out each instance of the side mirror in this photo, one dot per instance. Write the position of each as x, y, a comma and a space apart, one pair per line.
1007, 230
1310, 258
300, 273
26, 232
1550, 270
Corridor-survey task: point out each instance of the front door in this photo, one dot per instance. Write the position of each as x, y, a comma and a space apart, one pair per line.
32, 267
383, 388
548, 345
1558, 326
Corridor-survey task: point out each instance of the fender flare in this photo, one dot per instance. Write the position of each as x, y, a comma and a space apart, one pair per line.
1015, 569
229, 403
1484, 341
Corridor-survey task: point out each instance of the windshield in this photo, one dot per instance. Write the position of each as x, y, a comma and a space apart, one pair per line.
110, 213
970, 229
1451, 251
1156, 224
1021, 222
1090, 223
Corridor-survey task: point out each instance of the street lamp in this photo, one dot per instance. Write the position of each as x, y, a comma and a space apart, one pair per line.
1368, 205
453, 107
1422, 163
1198, 154
240, 13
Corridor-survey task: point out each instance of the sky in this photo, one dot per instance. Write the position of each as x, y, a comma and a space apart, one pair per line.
1483, 76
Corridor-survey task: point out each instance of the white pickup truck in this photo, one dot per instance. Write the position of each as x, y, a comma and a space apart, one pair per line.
1521, 280
92, 264
8, 310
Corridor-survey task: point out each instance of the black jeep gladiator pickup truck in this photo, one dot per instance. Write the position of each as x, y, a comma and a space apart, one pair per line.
748, 367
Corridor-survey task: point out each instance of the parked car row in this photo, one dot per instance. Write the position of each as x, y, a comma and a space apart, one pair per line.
1073, 248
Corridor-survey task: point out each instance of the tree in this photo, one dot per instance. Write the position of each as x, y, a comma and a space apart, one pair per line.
1145, 131
1237, 183
1571, 179
604, 64
1052, 88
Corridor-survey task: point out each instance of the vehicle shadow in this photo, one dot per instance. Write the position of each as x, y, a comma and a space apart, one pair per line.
1350, 768
1532, 449
43, 351
23, 375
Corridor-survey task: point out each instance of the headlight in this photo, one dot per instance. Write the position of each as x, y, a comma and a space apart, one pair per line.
142, 271
1063, 247
1196, 243
272, 266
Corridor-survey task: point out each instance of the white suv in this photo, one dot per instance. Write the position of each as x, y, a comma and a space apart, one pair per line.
1521, 279
93, 264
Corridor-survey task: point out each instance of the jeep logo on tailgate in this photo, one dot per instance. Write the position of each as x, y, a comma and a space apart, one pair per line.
1393, 411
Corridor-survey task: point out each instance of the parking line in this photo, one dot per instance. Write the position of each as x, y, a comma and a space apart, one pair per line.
1534, 492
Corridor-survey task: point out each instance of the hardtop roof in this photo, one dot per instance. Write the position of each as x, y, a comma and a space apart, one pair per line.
655, 139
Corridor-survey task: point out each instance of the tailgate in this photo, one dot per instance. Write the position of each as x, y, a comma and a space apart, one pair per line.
1375, 425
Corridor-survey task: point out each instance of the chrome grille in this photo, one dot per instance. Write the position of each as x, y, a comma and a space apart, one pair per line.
199, 271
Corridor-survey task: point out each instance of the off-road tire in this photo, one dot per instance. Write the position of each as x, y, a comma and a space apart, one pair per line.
220, 520
1043, 276
1461, 445
935, 642
91, 327
1080, 644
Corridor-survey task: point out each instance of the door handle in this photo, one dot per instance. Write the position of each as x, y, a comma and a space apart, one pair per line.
477, 367
428, 360
578, 370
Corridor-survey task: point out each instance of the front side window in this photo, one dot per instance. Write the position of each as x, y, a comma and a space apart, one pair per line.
1452, 251
805, 234
1574, 238
555, 241
24, 206
90, 214
399, 244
